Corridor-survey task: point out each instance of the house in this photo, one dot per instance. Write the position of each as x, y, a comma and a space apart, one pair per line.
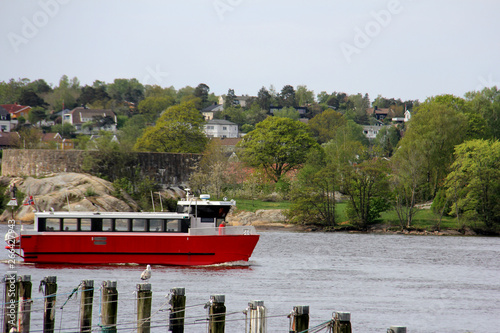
380, 113
208, 112
5, 122
220, 128
371, 131
238, 100
89, 121
9, 140
301, 109
17, 110
51, 140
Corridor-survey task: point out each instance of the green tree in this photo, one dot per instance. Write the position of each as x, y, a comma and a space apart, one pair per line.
201, 91
367, 186
287, 112
313, 193
229, 99
287, 96
66, 130
326, 124
37, 114
211, 175
278, 145
130, 90
435, 128
264, 98
304, 96
387, 140
178, 130
476, 170
153, 106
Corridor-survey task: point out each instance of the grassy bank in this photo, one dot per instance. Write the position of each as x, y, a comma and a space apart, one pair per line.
424, 219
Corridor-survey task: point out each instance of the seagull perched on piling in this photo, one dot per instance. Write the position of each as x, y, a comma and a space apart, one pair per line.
146, 274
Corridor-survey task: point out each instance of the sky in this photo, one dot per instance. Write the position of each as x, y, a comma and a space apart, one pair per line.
408, 49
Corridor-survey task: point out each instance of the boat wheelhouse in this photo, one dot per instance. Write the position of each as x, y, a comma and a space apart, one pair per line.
194, 235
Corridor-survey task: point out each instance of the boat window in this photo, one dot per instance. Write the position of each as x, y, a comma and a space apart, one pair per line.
107, 224
52, 224
122, 225
139, 224
85, 224
174, 225
70, 224
207, 220
156, 225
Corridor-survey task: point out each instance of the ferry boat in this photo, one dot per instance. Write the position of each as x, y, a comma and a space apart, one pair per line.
194, 235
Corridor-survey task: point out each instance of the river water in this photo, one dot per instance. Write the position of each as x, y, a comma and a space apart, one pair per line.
426, 283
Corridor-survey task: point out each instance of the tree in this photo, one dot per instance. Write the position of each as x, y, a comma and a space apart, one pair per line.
264, 98
230, 99
211, 174
287, 96
436, 127
178, 130
36, 114
29, 97
313, 193
287, 113
201, 91
66, 130
326, 124
30, 137
304, 96
129, 90
90, 95
367, 186
153, 106
476, 171
387, 139
278, 145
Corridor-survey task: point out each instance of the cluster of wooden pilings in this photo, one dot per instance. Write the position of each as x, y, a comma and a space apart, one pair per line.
17, 310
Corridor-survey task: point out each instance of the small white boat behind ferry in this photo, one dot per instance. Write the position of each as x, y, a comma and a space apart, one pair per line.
194, 235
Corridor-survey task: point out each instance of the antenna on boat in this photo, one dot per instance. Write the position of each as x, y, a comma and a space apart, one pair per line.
153, 201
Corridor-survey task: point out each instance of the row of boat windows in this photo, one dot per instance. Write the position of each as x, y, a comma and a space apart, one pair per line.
118, 224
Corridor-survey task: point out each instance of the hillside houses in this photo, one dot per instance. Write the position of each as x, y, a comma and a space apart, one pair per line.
91, 121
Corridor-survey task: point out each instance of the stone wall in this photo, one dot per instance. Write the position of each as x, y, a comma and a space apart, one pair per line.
165, 168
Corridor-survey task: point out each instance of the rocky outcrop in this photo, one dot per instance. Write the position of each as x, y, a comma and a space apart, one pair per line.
260, 218
67, 191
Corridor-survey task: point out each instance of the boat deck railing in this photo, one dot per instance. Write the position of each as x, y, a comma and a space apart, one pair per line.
229, 230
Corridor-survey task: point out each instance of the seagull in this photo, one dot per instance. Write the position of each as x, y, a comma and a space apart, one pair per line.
146, 274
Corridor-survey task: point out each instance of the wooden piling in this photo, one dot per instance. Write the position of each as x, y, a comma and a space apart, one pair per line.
109, 312
49, 292
177, 310
86, 300
11, 298
342, 322
144, 298
396, 329
217, 314
257, 317
24, 314
300, 318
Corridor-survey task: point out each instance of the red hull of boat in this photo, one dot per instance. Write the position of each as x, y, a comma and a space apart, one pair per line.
139, 248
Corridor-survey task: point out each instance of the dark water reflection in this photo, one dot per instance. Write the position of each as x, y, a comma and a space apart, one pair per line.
427, 283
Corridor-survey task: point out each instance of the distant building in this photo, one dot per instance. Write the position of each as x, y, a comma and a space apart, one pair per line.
301, 109
208, 112
238, 100
220, 128
90, 121
371, 131
17, 110
9, 140
381, 113
5, 122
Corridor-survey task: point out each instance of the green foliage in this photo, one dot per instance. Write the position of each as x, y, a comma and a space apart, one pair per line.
326, 124
387, 140
90, 192
287, 112
66, 130
178, 130
474, 182
151, 107
313, 194
278, 145
367, 187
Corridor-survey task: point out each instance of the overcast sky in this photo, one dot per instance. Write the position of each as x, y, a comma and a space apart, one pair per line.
408, 49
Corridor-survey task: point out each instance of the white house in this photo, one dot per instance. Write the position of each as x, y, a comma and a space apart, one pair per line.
88, 121
220, 128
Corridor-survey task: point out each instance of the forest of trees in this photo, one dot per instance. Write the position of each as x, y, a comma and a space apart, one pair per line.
448, 153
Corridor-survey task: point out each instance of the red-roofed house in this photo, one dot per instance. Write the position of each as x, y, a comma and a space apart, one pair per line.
17, 110
90, 121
